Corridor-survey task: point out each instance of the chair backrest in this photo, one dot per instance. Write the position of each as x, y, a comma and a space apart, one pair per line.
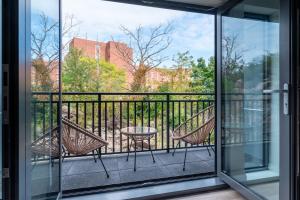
197, 128
78, 140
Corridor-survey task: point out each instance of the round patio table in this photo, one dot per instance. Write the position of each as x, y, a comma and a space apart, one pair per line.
139, 134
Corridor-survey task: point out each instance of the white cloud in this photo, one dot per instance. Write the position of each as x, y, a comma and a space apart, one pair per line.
49, 8
101, 17
195, 33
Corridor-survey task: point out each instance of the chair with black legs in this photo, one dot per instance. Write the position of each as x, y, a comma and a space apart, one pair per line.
196, 130
79, 141
47, 145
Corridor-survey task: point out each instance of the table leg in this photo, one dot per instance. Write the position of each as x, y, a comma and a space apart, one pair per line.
151, 152
134, 155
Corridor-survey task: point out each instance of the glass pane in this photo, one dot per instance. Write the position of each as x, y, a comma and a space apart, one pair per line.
250, 98
45, 165
119, 52
1, 149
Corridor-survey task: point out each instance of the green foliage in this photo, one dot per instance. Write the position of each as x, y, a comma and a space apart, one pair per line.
83, 74
190, 76
203, 76
178, 76
183, 60
252, 76
42, 79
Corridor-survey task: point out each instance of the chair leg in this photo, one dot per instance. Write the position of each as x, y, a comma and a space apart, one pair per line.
63, 154
94, 156
151, 153
175, 149
100, 158
184, 159
212, 148
129, 147
208, 151
63, 157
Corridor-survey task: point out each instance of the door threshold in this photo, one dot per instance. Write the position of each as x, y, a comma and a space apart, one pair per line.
158, 191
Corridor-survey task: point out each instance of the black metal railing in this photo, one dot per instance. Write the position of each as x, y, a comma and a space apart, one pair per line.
106, 113
245, 117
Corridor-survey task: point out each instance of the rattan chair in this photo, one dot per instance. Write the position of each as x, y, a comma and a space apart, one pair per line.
47, 144
79, 141
196, 130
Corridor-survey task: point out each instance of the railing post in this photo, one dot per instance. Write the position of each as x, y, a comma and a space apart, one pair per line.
99, 118
51, 111
168, 123
51, 121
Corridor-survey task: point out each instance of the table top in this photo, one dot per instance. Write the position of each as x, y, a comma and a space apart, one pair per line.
138, 131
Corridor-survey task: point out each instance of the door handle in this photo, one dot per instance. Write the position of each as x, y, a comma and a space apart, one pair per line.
271, 91
285, 92
286, 88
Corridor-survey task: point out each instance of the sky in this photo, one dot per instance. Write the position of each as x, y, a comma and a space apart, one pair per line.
101, 20
193, 32
254, 38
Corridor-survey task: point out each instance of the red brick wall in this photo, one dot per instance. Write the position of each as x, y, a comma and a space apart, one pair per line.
88, 47
124, 63
108, 52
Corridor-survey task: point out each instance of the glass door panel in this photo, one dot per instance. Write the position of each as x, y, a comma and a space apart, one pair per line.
45, 144
1, 110
250, 96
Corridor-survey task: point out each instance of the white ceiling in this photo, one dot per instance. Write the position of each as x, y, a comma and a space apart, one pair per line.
209, 3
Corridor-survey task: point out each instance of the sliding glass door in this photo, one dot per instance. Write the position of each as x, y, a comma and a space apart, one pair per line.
254, 115
45, 150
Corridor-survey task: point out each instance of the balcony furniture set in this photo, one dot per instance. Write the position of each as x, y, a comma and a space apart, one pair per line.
139, 135
77, 140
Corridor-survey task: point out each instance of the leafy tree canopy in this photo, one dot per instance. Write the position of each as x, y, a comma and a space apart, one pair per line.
203, 76
83, 74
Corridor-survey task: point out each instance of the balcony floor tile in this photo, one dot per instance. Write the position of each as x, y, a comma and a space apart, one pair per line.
80, 173
87, 180
144, 160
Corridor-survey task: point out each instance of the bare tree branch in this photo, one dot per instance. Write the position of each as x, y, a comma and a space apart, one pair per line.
45, 46
148, 46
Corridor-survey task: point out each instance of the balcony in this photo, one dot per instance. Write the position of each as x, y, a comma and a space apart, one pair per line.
109, 112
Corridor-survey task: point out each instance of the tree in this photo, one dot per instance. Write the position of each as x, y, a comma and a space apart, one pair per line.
259, 72
180, 77
203, 76
148, 46
83, 74
232, 57
75, 75
45, 49
233, 63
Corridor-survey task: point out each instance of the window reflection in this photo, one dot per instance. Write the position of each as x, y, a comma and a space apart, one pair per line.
44, 142
250, 110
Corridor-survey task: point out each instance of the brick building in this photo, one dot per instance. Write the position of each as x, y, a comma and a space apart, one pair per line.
157, 76
108, 51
